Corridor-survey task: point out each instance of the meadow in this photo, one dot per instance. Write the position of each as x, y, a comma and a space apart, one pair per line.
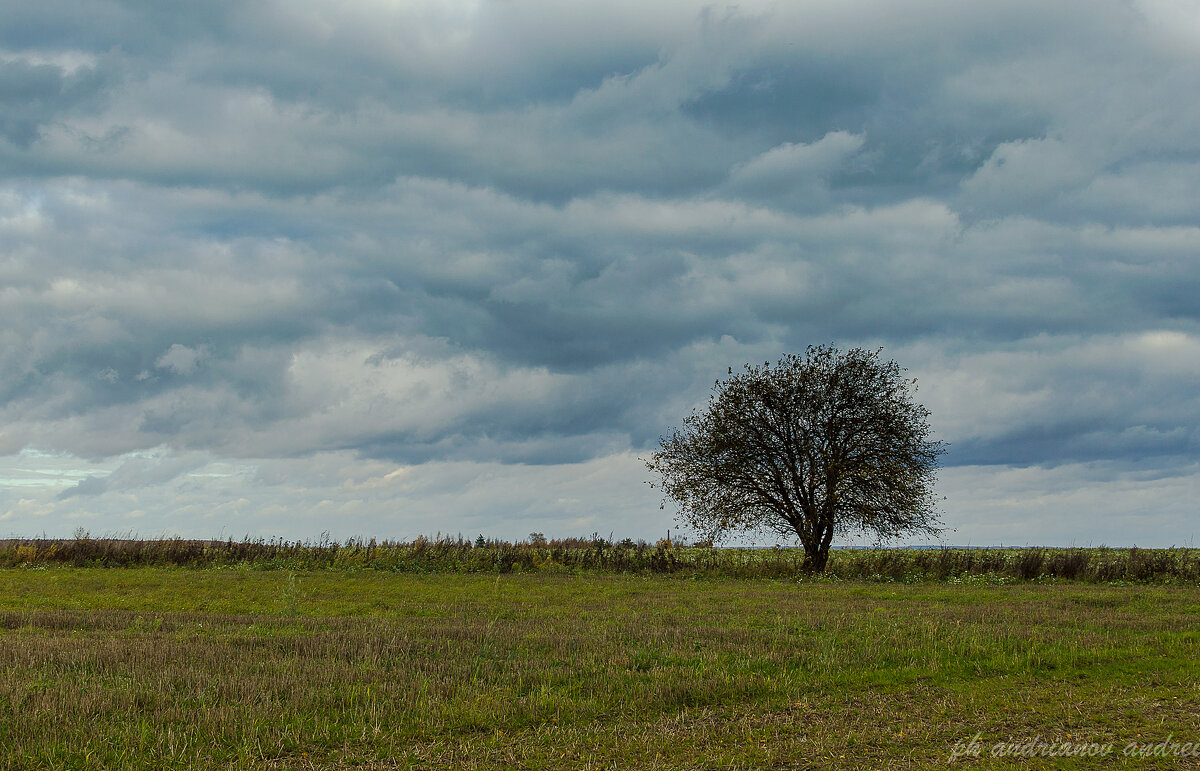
235, 666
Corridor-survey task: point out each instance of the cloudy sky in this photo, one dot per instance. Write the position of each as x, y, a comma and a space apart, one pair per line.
385, 268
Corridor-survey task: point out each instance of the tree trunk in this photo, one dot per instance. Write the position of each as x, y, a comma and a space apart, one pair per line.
826, 540
815, 559
816, 549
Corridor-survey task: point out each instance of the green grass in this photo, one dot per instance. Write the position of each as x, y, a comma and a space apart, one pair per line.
152, 668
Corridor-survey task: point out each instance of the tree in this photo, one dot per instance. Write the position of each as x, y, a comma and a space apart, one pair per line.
823, 444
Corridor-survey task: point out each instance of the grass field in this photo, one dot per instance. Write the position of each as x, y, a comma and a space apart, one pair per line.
150, 668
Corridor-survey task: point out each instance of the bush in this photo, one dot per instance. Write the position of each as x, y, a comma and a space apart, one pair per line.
595, 554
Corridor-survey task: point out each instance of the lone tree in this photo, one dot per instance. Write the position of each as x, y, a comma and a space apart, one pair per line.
821, 444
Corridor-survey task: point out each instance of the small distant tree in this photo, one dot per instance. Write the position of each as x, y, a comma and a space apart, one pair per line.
824, 444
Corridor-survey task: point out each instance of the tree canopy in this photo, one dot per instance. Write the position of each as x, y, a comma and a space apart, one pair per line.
821, 444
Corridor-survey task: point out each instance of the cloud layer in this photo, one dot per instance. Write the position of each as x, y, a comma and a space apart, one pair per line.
496, 249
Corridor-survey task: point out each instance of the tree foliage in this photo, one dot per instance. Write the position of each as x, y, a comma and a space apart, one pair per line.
824, 444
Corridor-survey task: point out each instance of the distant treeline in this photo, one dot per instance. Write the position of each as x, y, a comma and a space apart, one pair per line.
596, 554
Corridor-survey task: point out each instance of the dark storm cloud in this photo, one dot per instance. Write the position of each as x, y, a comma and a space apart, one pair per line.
534, 234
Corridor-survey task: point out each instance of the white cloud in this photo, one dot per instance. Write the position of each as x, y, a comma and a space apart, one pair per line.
1098, 504
181, 359
346, 496
790, 166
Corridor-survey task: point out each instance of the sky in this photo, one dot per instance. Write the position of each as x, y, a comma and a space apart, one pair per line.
389, 268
